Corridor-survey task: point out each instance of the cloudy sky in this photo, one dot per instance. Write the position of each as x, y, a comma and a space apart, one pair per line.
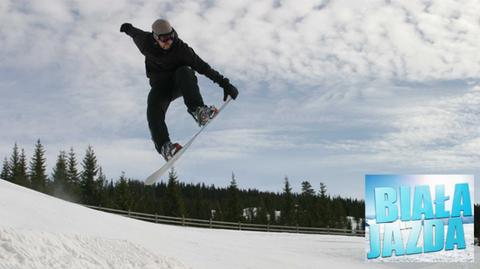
329, 90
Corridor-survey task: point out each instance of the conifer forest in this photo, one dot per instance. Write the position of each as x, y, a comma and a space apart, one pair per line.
83, 181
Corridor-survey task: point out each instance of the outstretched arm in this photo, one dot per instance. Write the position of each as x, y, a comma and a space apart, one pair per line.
199, 65
139, 36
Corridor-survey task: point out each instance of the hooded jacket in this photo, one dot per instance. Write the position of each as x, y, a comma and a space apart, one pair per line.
158, 60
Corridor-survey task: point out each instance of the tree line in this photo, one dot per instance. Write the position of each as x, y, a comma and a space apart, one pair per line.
86, 183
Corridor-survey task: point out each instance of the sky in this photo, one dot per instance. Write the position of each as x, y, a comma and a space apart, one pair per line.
329, 90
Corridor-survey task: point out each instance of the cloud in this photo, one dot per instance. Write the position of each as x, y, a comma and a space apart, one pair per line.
332, 84
441, 133
436, 134
310, 41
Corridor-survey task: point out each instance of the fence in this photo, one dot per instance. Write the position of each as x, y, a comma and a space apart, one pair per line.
214, 224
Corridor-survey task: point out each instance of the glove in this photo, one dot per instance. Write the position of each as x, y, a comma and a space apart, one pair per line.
125, 27
229, 89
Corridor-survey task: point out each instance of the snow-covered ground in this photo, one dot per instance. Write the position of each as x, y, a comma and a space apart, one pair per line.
39, 231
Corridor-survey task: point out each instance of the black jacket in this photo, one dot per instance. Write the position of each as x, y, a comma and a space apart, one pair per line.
158, 60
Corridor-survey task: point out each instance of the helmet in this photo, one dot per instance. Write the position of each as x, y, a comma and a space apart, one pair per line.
161, 27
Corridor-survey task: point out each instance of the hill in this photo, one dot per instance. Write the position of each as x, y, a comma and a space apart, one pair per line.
40, 231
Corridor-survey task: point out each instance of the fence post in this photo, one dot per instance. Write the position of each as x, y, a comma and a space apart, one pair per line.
210, 223
183, 220
239, 226
268, 226
156, 218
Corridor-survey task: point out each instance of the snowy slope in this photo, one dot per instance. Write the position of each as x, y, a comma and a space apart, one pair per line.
38, 231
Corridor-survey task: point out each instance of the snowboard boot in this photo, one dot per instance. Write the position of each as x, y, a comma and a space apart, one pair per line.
169, 149
203, 114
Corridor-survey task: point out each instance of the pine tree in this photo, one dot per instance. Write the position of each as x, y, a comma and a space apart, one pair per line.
323, 207
262, 213
110, 193
99, 188
14, 165
60, 177
233, 211
307, 209
200, 208
16, 170
21, 174
123, 196
216, 210
356, 218
288, 212
38, 174
339, 215
307, 189
323, 190
89, 173
5, 174
73, 177
173, 205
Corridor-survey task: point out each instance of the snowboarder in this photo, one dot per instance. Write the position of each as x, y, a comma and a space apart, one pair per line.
170, 64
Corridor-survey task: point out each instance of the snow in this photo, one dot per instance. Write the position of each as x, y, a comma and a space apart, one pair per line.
39, 231
33, 249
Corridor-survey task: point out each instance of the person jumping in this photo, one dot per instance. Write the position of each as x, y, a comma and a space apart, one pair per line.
170, 66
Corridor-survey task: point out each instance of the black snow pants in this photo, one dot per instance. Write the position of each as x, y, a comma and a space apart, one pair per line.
166, 87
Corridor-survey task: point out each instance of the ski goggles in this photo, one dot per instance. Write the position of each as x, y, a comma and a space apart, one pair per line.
164, 37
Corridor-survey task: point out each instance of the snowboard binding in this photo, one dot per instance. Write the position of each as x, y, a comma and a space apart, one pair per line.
203, 114
169, 149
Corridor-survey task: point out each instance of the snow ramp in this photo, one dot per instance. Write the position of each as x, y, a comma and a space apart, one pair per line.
40, 231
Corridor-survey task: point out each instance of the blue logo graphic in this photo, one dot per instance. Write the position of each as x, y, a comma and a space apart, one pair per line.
419, 218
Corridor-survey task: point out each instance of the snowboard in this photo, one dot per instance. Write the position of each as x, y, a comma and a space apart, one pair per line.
157, 174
